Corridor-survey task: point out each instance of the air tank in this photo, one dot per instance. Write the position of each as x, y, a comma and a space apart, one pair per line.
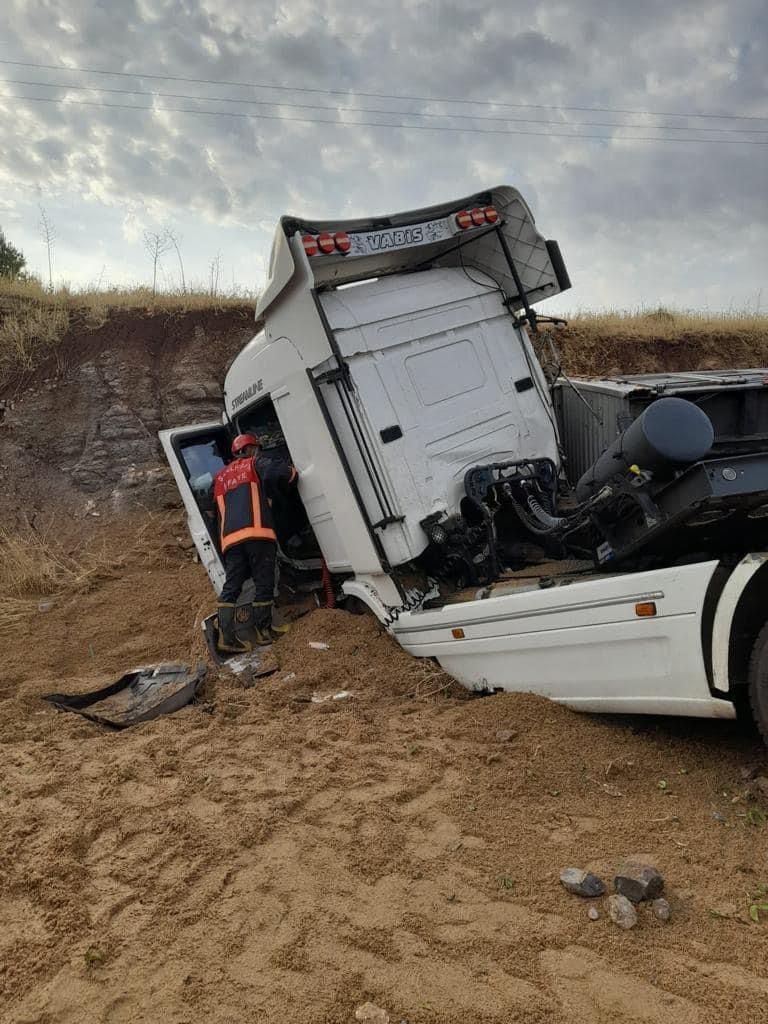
671, 433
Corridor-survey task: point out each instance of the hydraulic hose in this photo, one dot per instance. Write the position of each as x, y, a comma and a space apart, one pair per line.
330, 598
549, 522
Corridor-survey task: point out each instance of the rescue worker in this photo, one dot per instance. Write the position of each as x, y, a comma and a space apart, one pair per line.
243, 493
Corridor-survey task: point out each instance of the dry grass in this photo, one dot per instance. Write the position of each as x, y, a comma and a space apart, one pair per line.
29, 334
35, 565
101, 300
669, 324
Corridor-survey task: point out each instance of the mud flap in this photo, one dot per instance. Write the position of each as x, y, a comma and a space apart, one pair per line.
138, 696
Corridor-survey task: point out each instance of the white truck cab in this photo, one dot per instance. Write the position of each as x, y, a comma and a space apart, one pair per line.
395, 367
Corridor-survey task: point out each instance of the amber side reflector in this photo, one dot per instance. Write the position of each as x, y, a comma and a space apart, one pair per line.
645, 609
457, 634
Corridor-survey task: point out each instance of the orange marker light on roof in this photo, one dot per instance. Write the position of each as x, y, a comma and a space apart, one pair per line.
464, 219
491, 214
478, 216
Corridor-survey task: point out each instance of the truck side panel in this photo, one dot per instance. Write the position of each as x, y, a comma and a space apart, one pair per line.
583, 644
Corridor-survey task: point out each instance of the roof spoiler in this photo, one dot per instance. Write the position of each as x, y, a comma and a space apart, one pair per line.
510, 250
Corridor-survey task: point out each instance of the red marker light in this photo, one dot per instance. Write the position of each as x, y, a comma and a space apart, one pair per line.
478, 216
326, 242
464, 219
491, 214
343, 241
310, 245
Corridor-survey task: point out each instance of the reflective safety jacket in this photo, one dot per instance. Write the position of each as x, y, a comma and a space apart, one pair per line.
242, 495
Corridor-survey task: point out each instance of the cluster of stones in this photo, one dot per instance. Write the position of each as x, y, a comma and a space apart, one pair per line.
634, 883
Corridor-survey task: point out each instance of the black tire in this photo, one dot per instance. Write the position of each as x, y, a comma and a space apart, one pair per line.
757, 678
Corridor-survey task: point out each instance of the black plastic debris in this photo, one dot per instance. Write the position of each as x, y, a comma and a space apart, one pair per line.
138, 696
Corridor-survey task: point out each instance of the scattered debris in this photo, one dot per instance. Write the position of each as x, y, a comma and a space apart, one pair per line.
639, 882
372, 1014
582, 883
662, 909
46, 604
288, 677
761, 785
138, 696
593, 914
317, 645
718, 816
621, 911
505, 735
318, 698
611, 790
749, 774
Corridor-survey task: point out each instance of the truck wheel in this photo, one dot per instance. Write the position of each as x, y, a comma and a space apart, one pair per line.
757, 678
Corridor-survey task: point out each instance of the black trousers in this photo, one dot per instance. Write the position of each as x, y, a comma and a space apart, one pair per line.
254, 559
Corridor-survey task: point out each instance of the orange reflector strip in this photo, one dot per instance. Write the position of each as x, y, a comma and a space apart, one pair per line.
457, 634
645, 609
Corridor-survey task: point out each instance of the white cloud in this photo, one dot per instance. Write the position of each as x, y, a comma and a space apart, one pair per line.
636, 220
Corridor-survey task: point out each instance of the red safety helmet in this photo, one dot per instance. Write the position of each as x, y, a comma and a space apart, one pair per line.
242, 441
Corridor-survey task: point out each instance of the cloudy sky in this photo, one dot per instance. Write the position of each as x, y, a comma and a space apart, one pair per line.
587, 107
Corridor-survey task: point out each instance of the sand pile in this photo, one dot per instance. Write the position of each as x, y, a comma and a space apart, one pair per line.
260, 857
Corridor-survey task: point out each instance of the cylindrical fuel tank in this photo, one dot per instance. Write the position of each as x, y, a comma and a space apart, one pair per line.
672, 432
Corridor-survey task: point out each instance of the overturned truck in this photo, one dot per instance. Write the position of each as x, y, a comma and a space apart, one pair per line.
603, 543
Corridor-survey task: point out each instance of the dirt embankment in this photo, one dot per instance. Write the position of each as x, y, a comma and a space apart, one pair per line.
82, 426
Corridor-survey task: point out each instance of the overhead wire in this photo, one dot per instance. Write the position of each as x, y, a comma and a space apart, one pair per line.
376, 110
379, 95
377, 124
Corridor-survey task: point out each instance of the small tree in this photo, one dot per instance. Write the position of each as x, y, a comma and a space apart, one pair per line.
49, 237
157, 244
214, 271
12, 260
176, 243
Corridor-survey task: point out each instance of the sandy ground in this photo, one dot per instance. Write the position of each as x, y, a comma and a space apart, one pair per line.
258, 857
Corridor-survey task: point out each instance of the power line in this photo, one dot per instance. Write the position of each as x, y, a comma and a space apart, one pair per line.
376, 124
375, 110
378, 95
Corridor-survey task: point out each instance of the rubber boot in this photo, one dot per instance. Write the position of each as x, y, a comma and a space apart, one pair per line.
227, 640
249, 628
263, 615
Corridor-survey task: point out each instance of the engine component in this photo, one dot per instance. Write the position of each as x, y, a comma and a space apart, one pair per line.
458, 551
672, 432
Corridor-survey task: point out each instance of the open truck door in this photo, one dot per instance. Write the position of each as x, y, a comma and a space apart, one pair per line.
195, 454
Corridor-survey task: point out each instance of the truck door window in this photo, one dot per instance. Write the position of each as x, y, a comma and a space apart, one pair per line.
202, 457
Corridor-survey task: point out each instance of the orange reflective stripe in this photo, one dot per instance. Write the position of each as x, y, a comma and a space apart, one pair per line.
249, 533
